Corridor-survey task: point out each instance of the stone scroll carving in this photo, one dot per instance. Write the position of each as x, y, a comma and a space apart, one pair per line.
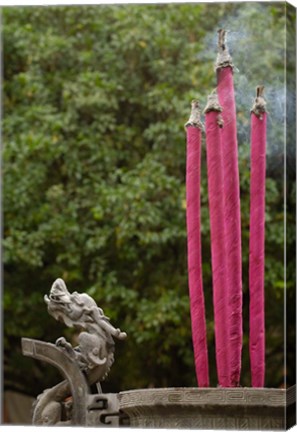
210, 408
86, 364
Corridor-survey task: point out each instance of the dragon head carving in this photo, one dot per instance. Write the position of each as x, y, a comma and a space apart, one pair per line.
58, 293
60, 303
79, 310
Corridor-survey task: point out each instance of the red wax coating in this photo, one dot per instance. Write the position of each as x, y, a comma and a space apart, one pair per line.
232, 220
257, 248
218, 255
193, 175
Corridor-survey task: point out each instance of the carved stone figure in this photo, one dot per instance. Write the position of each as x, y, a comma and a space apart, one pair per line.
96, 345
94, 354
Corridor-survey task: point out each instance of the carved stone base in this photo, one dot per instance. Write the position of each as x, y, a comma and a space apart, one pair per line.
103, 410
213, 408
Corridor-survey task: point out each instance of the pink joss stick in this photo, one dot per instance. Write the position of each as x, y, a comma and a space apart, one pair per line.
257, 239
213, 124
193, 130
232, 217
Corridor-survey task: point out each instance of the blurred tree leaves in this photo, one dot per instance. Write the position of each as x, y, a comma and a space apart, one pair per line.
95, 99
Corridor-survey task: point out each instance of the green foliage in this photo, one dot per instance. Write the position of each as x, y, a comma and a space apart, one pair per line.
95, 99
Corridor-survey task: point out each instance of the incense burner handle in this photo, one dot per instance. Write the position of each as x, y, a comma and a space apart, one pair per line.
69, 368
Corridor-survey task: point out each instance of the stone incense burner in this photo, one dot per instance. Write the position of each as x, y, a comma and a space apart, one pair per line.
71, 402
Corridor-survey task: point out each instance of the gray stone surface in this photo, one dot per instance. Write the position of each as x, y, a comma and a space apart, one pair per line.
212, 408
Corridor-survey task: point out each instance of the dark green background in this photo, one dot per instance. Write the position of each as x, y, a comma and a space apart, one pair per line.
94, 102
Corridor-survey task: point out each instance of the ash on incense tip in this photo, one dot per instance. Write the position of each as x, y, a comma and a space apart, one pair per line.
224, 58
195, 116
259, 106
222, 39
214, 105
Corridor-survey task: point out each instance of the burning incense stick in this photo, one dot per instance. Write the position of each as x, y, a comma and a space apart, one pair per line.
193, 130
213, 123
257, 239
226, 96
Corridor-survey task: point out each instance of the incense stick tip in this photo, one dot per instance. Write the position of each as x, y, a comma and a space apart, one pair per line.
259, 106
213, 103
195, 116
195, 104
224, 58
260, 91
221, 38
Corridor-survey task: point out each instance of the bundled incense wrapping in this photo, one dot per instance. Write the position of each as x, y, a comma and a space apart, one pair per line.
257, 239
225, 229
232, 217
193, 174
214, 152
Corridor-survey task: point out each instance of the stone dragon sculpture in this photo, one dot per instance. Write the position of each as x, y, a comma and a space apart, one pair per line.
94, 353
